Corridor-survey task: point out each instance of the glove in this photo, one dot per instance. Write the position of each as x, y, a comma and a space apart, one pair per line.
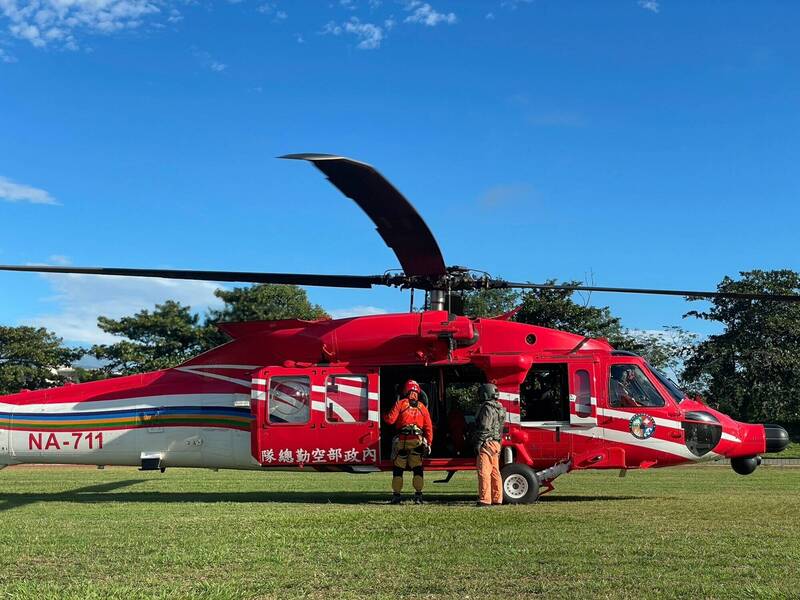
426, 448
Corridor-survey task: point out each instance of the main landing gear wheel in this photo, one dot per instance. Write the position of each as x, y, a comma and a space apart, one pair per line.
520, 485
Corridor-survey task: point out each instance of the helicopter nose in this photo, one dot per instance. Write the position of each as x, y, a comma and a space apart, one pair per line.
777, 438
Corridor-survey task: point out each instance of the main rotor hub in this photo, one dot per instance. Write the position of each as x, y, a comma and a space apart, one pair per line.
454, 279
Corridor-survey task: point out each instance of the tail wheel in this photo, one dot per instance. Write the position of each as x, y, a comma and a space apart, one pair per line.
520, 485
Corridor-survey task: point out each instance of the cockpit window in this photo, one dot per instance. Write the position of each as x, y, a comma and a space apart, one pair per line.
630, 388
671, 386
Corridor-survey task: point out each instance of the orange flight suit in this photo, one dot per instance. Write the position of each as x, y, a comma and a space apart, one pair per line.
490, 484
403, 415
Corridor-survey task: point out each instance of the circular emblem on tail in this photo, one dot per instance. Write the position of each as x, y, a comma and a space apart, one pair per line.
642, 426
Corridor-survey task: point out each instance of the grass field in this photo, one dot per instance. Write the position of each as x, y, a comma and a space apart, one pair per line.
791, 451
699, 532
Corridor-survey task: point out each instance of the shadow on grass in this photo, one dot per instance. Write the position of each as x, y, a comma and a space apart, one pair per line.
560, 498
107, 493
91, 493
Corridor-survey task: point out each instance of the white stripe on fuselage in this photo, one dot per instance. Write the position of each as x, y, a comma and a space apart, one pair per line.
651, 443
623, 437
627, 416
194, 371
165, 401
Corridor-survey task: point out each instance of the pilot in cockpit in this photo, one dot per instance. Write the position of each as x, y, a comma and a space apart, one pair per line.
624, 388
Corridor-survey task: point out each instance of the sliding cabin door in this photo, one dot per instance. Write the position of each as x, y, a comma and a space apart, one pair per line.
315, 416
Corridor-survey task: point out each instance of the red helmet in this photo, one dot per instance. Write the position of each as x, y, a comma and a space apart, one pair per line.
410, 386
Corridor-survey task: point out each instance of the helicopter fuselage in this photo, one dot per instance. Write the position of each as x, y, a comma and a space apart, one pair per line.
310, 395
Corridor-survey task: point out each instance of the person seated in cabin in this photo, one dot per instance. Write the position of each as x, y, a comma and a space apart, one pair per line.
550, 398
624, 388
413, 440
542, 395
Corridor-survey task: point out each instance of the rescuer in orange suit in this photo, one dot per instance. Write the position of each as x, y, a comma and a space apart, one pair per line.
413, 440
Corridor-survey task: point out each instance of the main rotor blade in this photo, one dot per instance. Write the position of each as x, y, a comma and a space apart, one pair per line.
655, 292
397, 221
349, 281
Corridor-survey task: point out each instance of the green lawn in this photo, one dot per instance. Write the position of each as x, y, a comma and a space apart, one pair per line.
791, 451
700, 532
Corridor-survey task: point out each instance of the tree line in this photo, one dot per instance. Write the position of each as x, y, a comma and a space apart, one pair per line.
750, 370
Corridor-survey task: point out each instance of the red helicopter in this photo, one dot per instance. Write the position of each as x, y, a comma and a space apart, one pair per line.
310, 394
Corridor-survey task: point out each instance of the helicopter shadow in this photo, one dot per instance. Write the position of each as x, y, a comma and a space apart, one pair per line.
111, 492
573, 498
91, 493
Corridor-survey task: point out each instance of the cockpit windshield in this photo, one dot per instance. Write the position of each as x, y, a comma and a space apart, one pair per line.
677, 393
630, 388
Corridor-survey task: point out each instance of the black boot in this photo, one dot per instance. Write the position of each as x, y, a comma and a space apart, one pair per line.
418, 498
396, 499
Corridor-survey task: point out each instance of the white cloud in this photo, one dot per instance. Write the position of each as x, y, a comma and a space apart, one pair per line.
514, 4
332, 28
19, 192
80, 299
45, 22
175, 16
503, 194
369, 34
356, 311
426, 15
271, 8
208, 61
5, 57
650, 5
490, 16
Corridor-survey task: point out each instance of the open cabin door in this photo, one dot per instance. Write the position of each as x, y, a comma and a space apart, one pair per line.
582, 394
315, 416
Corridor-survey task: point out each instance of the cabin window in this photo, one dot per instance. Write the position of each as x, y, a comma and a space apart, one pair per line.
346, 399
583, 393
544, 395
629, 387
289, 400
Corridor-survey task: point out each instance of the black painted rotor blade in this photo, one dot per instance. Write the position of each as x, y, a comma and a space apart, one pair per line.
655, 292
348, 281
397, 221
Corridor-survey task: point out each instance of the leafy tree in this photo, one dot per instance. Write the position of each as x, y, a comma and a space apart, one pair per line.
558, 310
163, 338
171, 333
83, 375
666, 350
490, 303
29, 358
751, 370
261, 303
265, 303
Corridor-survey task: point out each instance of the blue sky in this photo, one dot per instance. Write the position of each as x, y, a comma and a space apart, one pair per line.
637, 143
